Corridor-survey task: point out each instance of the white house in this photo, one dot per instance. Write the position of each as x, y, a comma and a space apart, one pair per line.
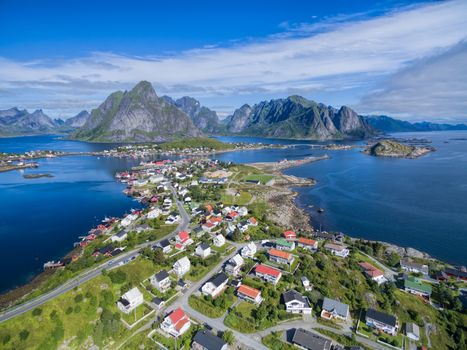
118, 237
306, 283
165, 246
234, 265
334, 309
127, 220
130, 300
156, 178
268, 273
215, 285
337, 249
182, 266
412, 331
381, 321
203, 250
161, 281
242, 211
249, 293
249, 250
154, 213
219, 240
411, 266
296, 303
176, 323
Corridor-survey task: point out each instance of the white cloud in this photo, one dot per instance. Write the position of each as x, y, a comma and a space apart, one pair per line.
433, 88
344, 56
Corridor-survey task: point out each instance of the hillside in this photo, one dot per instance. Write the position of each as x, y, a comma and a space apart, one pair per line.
137, 115
297, 117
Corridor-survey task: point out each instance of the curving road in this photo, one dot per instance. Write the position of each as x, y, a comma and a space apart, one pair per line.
96, 271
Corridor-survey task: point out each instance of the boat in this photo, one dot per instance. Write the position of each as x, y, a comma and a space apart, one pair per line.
320, 210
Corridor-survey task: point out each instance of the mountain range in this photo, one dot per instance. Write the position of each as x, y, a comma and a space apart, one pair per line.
387, 124
139, 115
297, 117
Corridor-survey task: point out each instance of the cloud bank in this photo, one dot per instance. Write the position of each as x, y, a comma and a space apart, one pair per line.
376, 58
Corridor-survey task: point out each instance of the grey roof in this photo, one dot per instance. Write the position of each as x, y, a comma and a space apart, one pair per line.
161, 275
294, 295
121, 233
310, 341
412, 328
382, 317
164, 243
218, 279
157, 301
208, 340
204, 246
334, 305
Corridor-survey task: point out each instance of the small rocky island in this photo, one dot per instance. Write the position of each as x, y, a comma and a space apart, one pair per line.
391, 148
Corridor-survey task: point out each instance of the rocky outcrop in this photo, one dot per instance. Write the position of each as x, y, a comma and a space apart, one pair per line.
135, 116
391, 148
297, 117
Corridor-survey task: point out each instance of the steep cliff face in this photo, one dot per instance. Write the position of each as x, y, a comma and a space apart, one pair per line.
20, 122
297, 117
203, 118
78, 120
136, 115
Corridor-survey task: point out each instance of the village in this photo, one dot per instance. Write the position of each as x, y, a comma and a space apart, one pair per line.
203, 266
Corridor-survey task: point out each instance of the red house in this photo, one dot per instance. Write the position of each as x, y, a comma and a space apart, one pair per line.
289, 235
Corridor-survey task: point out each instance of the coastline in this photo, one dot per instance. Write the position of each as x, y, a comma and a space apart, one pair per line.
288, 213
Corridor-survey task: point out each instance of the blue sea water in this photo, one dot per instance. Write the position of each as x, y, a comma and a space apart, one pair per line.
41, 218
420, 203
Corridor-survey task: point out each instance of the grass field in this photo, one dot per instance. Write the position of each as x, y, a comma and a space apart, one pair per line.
75, 315
243, 199
263, 178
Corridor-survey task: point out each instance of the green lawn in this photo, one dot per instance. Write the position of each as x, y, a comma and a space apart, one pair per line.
274, 341
208, 308
240, 318
136, 314
263, 178
76, 315
243, 199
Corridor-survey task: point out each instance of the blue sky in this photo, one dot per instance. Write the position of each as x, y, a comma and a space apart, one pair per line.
390, 57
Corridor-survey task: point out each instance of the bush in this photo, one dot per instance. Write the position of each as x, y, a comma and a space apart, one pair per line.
24, 334
78, 298
37, 311
117, 277
6, 339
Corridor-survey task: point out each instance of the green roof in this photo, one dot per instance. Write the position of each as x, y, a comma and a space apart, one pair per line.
283, 242
416, 284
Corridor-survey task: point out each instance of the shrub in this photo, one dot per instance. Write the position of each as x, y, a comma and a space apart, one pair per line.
24, 334
37, 311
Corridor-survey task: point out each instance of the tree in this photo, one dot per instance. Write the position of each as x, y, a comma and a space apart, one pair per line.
228, 337
117, 277
159, 257
24, 334
37, 311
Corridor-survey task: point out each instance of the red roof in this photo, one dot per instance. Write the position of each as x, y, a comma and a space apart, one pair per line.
370, 269
290, 234
177, 315
179, 246
232, 214
253, 221
306, 241
215, 219
279, 253
209, 207
248, 291
179, 325
266, 270
183, 236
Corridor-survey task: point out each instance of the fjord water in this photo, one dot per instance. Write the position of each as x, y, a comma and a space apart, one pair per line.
419, 203
42, 218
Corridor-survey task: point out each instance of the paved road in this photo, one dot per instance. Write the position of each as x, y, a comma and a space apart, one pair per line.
94, 272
